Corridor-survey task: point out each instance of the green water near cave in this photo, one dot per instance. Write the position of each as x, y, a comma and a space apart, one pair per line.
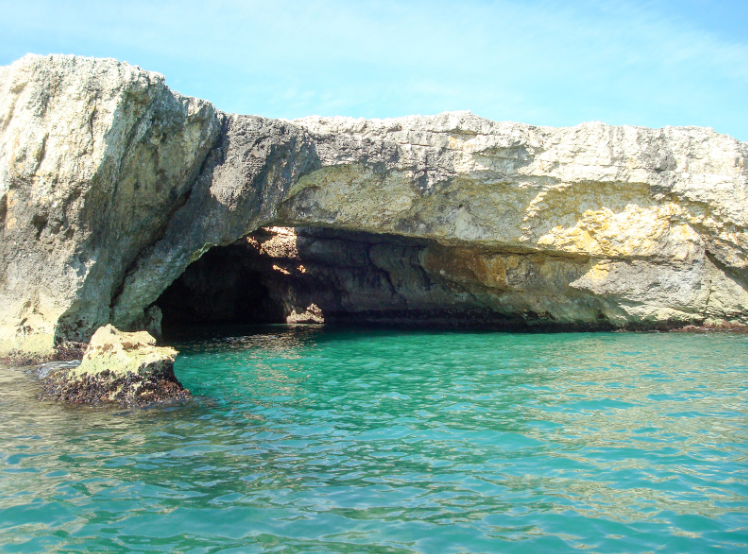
309, 440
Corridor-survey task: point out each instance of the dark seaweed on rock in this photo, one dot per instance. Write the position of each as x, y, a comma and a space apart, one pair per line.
131, 390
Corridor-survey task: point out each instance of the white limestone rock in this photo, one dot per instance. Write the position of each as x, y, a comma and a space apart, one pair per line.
111, 185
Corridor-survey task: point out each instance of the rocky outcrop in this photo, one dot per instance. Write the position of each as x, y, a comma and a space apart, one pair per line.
111, 185
122, 368
95, 158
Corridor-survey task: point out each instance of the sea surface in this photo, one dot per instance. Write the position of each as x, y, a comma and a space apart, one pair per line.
303, 439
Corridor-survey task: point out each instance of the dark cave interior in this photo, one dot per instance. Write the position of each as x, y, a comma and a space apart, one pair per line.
315, 275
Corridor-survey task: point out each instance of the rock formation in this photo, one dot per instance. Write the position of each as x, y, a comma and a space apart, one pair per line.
95, 158
124, 368
111, 185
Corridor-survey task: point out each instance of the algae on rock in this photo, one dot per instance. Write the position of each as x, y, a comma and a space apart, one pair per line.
126, 368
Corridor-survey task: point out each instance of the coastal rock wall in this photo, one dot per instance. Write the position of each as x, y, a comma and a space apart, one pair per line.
591, 224
95, 158
111, 185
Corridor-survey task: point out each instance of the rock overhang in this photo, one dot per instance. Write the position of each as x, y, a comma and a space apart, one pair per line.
111, 185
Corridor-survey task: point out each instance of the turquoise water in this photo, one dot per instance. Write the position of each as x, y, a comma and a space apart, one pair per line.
304, 440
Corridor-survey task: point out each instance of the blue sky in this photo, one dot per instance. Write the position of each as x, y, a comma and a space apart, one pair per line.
651, 63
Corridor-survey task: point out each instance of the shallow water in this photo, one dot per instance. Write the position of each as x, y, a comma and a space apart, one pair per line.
311, 440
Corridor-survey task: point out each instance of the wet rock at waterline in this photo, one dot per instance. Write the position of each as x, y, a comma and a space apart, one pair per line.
117, 367
111, 185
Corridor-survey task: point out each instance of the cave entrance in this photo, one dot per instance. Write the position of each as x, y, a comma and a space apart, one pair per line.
318, 275
220, 287
296, 275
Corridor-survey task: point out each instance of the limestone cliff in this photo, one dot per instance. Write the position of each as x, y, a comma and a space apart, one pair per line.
95, 158
111, 185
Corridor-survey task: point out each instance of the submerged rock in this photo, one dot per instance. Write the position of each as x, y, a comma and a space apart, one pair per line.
125, 368
112, 185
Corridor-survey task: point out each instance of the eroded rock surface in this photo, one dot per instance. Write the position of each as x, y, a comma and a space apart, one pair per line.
123, 368
111, 185
95, 158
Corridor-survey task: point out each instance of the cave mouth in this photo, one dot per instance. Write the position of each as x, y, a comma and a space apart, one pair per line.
319, 275
220, 287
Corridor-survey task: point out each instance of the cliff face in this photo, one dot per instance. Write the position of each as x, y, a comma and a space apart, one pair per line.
95, 159
111, 186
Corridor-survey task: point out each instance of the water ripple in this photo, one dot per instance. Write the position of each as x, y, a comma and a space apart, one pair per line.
310, 440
